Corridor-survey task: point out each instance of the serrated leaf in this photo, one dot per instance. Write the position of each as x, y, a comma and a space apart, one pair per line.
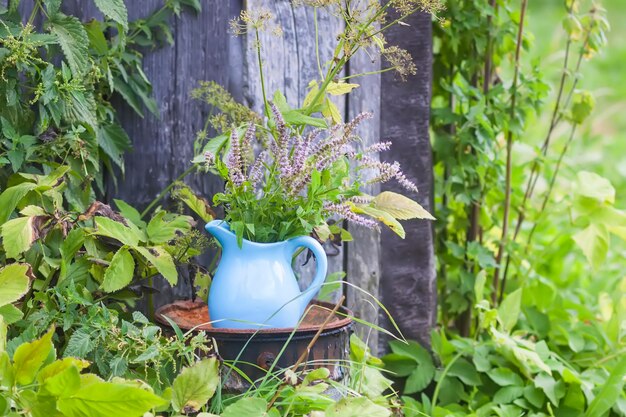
18, 235
164, 226
74, 42
114, 141
29, 357
400, 207
79, 344
120, 271
162, 261
116, 230
115, 10
340, 88
198, 205
195, 385
14, 283
106, 399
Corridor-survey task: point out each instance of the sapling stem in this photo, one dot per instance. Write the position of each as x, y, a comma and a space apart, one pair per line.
509, 164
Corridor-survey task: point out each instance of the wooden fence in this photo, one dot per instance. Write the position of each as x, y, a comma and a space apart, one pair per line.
399, 272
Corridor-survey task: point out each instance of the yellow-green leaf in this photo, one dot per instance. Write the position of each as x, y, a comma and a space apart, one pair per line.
384, 217
195, 385
29, 358
14, 283
400, 207
331, 111
162, 261
340, 88
107, 399
116, 230
18, 236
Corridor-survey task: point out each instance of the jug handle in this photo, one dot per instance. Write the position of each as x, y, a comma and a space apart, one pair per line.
321, 263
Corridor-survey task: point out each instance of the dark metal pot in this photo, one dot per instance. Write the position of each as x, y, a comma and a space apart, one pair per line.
256, 351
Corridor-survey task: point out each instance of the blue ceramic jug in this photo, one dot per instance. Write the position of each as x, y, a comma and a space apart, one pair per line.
254, 285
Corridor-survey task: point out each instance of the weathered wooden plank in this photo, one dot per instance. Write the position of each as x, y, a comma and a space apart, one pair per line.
408, 282
363, 254
163, 147
289, 63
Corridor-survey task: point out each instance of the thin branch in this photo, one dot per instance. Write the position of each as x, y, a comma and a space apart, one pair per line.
509, 149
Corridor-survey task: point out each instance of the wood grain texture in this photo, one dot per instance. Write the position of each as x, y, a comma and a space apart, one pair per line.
408, 283
163, 146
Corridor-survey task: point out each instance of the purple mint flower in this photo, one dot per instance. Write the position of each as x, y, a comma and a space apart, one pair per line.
344, 211
246, 145
256, 172
281, 148
377, 147
234, 161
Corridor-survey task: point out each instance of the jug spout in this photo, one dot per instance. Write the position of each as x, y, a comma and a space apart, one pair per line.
221, 231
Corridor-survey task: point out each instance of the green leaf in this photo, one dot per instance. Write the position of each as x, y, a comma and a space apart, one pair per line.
582, 106
10, 198
164, 226
59, 366
589, 184
64, 383
198, 205
423, 374
610, 392
594, 242
505, 377
509, 310
162, 261
295, 118
465, 371
382, 216
507, 395
116, 230
114, 142
79, 344
115, 10
10, 313
195, 385
248, 407
14, 283
340, 88
74, 42
18, 236
96, 37
29, 358
400, 365
52, 6
399, 206
120, 271
554, 390
130, 213
107, 399
357, 407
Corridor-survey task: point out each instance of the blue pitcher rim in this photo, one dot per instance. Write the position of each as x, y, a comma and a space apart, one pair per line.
223, 224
